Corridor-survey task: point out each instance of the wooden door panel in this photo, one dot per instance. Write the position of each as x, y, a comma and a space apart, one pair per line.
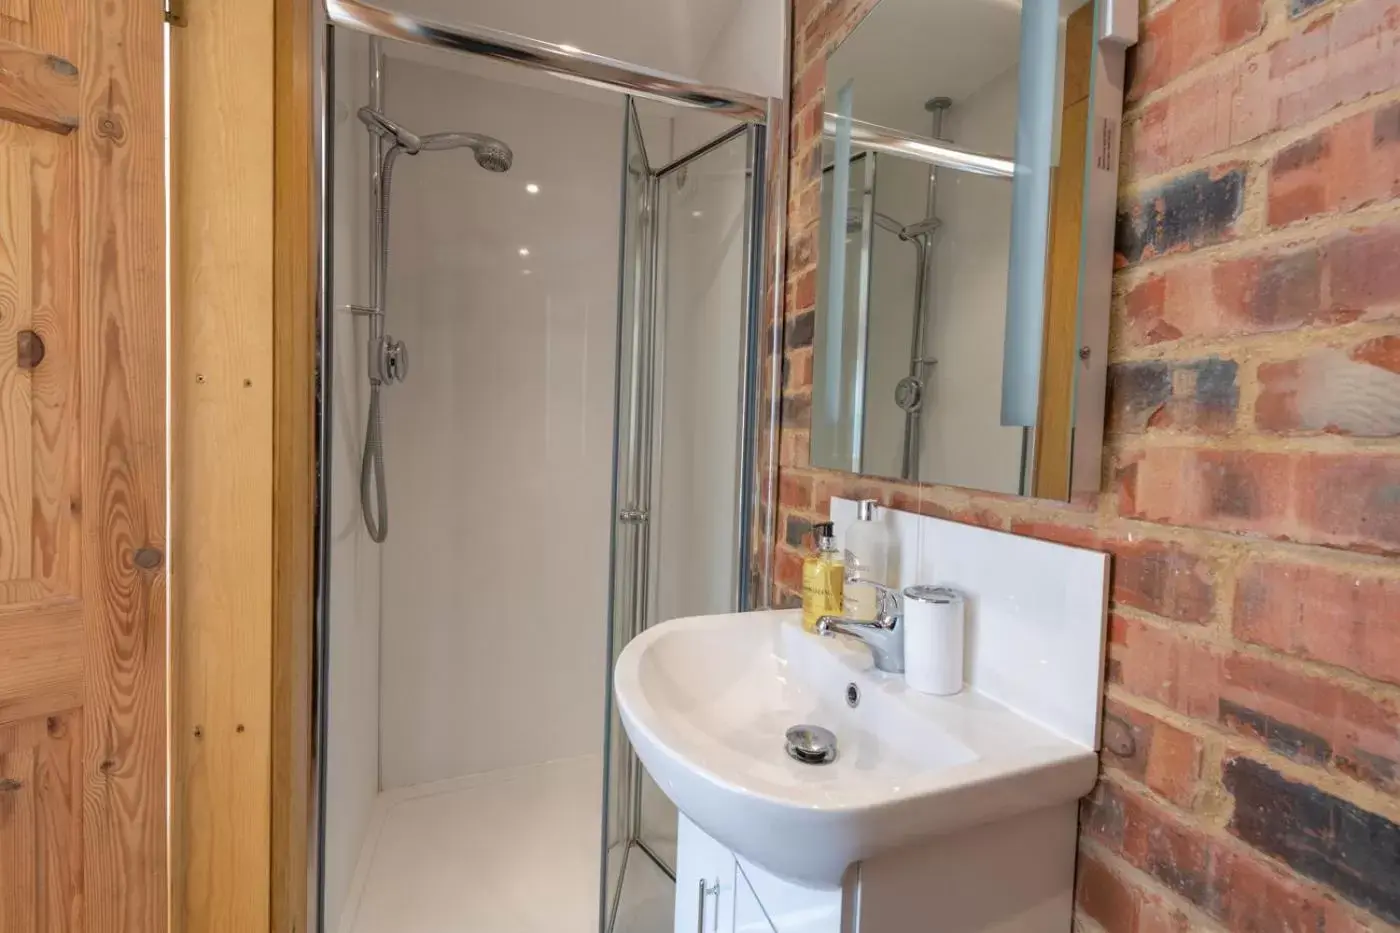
39, 501
82, 468
41, 824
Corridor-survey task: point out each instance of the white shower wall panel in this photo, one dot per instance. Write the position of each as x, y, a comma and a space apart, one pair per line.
499, 445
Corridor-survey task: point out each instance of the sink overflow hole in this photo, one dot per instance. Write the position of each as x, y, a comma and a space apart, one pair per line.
811, 745
852, 695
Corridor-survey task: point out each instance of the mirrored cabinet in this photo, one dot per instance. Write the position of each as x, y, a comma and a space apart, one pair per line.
965, 251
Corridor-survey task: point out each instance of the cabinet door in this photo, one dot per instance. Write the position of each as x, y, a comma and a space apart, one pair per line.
704, 882
749, 915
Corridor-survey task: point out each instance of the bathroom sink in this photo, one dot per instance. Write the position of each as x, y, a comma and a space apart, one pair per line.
707, 702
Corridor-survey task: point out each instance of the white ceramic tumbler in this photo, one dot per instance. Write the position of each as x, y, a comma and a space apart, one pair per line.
933, 639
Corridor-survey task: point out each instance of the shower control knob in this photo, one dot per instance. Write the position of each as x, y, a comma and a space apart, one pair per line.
395, 360
909, 394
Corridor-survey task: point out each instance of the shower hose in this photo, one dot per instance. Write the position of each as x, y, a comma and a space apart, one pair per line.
374, 496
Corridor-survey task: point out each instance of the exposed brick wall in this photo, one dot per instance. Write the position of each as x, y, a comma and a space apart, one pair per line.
1251, 777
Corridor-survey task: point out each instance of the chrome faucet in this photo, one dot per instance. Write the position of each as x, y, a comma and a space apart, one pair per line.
884, 635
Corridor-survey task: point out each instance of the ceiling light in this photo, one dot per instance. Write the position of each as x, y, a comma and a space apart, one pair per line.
697, 213
524, 251
532, 188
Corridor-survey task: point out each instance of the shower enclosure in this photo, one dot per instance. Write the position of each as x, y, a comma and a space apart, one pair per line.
572, 456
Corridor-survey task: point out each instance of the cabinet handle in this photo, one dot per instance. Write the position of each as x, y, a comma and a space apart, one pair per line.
706, 891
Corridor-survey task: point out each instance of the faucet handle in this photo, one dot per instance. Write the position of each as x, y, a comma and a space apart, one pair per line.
889, 601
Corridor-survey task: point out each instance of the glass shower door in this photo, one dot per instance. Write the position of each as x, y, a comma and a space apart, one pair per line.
631, 483
686, 377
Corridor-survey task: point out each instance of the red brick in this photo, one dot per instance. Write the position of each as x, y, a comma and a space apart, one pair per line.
795, 490
1362, 273
1342, 500
1163, 757
1106, 897
1073, 535
1255, 898
1313, 720
1348, 619
1186, 34
1214, 298
1335, 390
1164, 579
1189, 211
787, 571
1182, 395
1234, 885
1158, 664
810, 88
1345, 166
1335, 59
794, 447
798, 373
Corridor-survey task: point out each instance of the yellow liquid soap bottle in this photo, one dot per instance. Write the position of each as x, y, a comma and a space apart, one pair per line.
823, 574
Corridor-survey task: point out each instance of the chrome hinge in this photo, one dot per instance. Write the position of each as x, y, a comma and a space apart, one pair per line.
175, 13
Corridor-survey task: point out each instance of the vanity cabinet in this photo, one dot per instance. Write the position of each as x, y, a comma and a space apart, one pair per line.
705, 873
719, 892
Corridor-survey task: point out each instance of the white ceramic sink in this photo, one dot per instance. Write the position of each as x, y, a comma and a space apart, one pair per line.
707, 701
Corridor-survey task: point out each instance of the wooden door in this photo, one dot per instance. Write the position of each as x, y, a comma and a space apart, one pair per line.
82, 468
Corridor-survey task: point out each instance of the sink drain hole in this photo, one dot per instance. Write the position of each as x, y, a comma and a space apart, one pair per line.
811, 745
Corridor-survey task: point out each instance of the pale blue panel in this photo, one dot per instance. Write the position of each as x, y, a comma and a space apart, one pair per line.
836, 265
1030, 212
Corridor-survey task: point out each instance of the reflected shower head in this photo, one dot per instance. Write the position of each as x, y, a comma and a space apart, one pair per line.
491, 154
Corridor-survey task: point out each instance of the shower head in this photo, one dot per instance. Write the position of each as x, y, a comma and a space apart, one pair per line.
491, 154
385, 128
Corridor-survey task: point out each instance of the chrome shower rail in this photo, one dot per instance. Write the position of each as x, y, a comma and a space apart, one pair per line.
910, 145
562, 60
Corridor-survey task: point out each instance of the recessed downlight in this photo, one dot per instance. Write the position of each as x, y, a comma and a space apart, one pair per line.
524, 251
532, 188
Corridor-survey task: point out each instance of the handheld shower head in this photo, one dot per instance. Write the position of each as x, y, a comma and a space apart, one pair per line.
385, 128
491, 154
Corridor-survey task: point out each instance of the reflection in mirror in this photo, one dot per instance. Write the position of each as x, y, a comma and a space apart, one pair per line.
948, 300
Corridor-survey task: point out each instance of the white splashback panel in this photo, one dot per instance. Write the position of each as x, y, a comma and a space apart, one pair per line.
1036, 613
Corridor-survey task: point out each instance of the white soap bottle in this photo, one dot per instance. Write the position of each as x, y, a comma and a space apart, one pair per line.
869, 543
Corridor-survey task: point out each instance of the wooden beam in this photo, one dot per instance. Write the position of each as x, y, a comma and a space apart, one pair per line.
222, 487
38, 89
294, 460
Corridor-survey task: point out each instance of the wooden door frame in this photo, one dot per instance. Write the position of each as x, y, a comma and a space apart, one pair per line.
243, 426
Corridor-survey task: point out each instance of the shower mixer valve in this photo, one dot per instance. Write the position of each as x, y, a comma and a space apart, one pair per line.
388, 360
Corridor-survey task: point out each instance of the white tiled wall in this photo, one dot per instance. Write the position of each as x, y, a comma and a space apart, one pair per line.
1037, 613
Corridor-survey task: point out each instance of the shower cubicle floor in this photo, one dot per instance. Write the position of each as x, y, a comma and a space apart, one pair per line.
513, 851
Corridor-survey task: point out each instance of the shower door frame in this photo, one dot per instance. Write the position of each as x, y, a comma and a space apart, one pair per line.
640, 462
765, 284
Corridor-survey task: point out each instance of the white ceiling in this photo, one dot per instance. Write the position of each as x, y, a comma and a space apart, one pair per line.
907, 51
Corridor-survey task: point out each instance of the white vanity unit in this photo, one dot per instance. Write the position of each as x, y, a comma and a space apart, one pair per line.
954, 814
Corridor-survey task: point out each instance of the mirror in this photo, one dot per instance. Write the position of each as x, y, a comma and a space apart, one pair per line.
965, 247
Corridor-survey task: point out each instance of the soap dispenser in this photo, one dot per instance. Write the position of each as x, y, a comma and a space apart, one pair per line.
867, 558
823, 574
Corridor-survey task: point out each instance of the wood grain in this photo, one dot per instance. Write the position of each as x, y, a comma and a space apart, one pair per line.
43, 666
1060, 351
121, 347
41, 824
38, 89
19, 842
82, 628
222, 345
16, 302
15, 9
294, 462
